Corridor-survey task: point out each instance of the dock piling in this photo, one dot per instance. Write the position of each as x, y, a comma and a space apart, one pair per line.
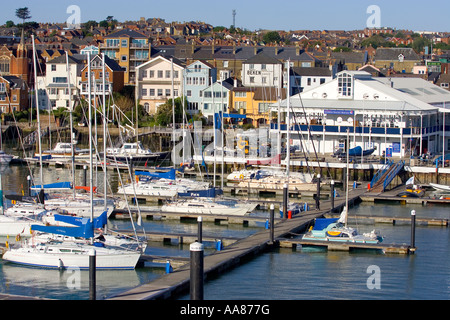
199, 231
332, 195
285, 200
92, 275
271, 223
413, 230
196, 271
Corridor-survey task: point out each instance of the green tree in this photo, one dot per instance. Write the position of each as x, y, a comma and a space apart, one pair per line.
23, 13
9, 24
271, 36
164, 114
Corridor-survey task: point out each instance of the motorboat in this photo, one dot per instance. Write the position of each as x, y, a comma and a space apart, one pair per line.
135, 153
64, 150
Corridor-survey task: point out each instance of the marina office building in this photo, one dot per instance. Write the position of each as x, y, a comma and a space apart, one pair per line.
398, 116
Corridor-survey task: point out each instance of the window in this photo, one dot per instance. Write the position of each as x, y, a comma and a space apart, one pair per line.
263, 67
59, 79
167, 73
53, 67
124, 43
225, 64
167, 92
188, 93
308, 81
345, 85
322, 80
444, 85
160, 92
264, 80
175, 74
263, 106
144, 92
4, 65
160, 73
152, 92
152, 73
2, 87
123, 57
252, 79
2, 97
240, 94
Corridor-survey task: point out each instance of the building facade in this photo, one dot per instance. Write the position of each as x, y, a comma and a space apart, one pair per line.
129, 49
197, 76
154, 82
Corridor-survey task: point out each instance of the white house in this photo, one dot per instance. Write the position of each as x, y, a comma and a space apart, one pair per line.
54, 88
154, 82
262, 71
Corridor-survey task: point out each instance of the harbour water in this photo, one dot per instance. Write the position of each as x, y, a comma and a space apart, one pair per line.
282, 274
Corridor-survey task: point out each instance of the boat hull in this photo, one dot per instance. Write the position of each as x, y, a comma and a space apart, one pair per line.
125, 261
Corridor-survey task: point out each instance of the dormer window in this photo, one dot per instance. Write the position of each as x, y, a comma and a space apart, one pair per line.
345, 84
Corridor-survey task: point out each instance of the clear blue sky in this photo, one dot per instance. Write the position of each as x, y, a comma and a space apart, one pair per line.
250, 14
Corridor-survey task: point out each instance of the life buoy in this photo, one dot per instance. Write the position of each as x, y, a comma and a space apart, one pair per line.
241, 176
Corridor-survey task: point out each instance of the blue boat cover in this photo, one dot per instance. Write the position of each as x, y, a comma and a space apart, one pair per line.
56, 185
321, 224
208, 193
99, 222
85, 230
166, 175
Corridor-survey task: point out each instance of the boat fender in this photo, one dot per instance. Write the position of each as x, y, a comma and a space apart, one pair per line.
18, 238
241, 176
7, 245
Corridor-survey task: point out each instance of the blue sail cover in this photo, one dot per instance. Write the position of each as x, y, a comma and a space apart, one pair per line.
56, 185
165, 175
85, 230
208, 193
99, 222
321, 224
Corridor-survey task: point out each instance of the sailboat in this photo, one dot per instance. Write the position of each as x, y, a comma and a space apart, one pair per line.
73, 254
64, 253
336, 229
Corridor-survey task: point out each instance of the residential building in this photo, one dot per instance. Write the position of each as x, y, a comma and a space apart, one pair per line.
401, 60
129, 48
154, 82
114, 76
13, 94
262, 71
197, 76
54, 86
216, 98
306, 78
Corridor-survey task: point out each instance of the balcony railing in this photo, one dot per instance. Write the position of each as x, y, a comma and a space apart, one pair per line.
362, 130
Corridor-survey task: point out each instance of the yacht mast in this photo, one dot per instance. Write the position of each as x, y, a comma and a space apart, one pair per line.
71, 124
37, 112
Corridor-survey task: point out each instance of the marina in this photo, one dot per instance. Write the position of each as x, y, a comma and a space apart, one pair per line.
322, 192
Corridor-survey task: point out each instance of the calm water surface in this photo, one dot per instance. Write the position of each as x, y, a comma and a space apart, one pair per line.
283, 274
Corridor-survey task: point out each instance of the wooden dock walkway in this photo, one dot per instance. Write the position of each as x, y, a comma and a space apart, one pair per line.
172, 284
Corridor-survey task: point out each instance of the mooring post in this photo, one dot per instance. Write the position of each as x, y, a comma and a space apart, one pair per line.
413, 230
196, 277
285, 199
332, 195
92, 275
272, 222
29, 185
199, 231
84, 176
